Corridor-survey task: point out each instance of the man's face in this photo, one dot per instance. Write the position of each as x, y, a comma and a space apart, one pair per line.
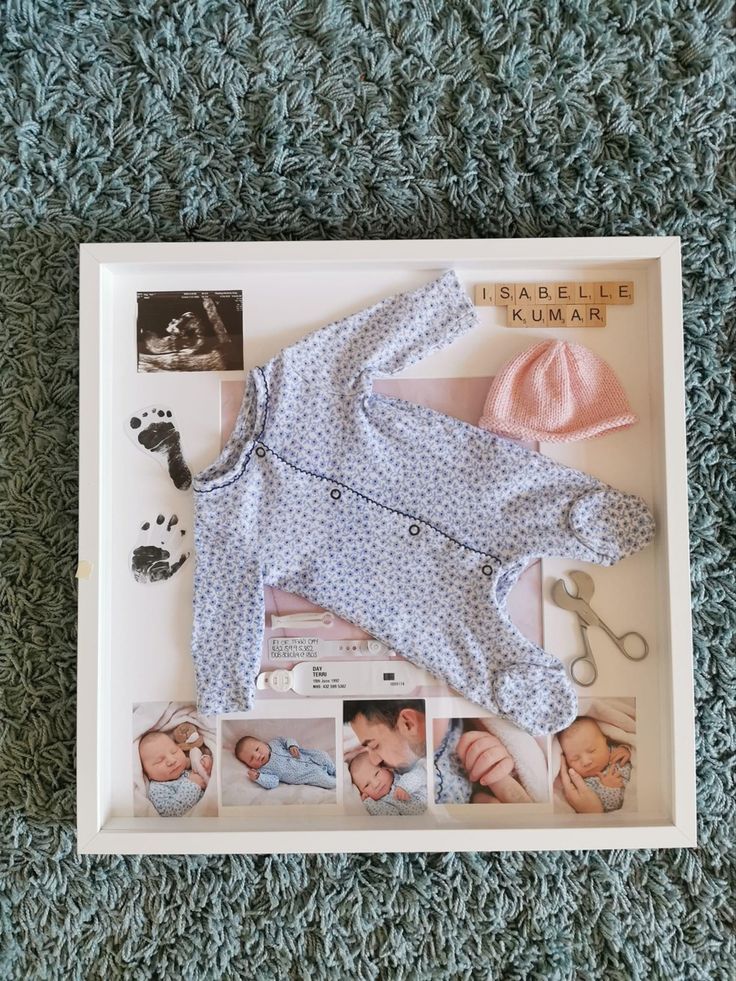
399, 747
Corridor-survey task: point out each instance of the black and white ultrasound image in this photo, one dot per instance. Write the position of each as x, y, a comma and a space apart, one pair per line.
194, 330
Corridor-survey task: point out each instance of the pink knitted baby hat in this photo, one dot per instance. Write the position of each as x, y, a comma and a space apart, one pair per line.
556, 392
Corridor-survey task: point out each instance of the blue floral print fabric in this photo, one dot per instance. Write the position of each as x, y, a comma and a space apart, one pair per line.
407, 522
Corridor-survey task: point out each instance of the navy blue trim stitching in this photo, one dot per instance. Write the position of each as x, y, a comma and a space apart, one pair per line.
370, 500
239, 474
265, 409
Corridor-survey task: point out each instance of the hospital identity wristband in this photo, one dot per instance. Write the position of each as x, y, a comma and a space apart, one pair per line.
309, 648
347, 678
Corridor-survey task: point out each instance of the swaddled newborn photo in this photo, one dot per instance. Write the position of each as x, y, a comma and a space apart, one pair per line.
595, 758
173, 761
272, 761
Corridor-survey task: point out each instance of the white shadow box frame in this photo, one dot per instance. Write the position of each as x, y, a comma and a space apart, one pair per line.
283, 283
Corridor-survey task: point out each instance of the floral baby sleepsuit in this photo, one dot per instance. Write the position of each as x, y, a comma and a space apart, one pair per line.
407, 522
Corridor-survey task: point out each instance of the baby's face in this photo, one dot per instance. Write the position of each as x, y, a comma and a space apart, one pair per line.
254, 753
585, 748
162, 759
372, 781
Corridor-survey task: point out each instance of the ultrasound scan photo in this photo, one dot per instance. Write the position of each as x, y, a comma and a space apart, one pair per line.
190, 331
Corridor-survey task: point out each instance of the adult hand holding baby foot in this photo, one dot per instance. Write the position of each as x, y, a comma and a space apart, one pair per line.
578, 794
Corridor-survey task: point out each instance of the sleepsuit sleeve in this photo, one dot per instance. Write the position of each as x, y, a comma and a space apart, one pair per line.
548, 509
381, 808
414, 781
386, 337
267, 780
227, 626
388, 805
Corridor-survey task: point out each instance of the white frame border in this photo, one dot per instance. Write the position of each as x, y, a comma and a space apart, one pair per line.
98, 262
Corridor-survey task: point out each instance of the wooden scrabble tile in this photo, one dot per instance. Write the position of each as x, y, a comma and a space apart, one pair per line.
526, 316
603, 292
504, 294
538, 316
556, 316
524, 295
595, 315
564, 292
544, 292
516, 316
583, 293
485, 294
623, 293
576, 316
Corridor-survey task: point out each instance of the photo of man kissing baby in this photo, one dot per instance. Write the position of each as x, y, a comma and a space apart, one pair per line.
384, 752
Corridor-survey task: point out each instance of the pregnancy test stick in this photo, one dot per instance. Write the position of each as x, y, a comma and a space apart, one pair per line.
347, 678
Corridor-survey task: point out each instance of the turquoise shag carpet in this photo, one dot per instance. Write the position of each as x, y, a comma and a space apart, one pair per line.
306, 119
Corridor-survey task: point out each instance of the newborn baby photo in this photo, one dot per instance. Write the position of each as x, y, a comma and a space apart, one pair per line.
384, 753
488, 761
273, 761
594, 758
173, 761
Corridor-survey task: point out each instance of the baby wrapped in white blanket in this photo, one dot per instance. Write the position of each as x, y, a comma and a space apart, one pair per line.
176, 790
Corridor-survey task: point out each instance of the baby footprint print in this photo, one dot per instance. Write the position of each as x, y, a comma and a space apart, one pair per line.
159, 551
153, 430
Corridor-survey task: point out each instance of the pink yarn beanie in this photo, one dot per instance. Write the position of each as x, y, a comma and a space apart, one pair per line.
556, 392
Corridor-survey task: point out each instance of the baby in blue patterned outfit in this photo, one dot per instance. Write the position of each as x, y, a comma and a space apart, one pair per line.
384, 791
283, 760
173, 789
604, 766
